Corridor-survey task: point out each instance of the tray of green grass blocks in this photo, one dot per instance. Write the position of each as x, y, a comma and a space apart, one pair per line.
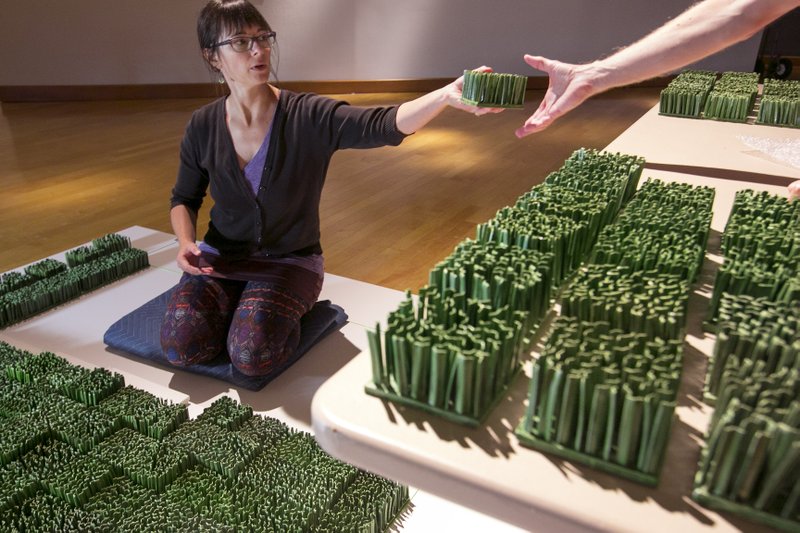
493, 89
732, 97
750, 464
761, 250
80, 451
603, 390
685, 96
780, 103
49, 283
454, 350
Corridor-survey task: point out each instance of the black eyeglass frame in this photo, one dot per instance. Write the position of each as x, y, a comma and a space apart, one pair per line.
266, 37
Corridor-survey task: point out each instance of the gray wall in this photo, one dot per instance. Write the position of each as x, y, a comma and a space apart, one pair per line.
97, 42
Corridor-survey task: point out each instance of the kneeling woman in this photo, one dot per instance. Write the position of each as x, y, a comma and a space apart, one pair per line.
264, 153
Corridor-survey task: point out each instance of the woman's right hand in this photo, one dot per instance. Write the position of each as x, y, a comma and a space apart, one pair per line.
189, 260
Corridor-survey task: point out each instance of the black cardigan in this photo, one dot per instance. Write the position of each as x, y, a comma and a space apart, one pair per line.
283, 217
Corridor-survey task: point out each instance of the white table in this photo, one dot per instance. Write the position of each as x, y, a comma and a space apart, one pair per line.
486, 468
710, 148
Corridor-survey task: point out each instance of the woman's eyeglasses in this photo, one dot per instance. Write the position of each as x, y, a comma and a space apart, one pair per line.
244, 43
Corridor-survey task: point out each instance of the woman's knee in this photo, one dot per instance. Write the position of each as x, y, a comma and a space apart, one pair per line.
261, 354
195, 324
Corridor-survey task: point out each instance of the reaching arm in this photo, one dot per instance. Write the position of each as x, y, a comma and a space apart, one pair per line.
413, 115
702, 30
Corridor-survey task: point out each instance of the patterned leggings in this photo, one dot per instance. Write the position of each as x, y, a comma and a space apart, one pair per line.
259, 320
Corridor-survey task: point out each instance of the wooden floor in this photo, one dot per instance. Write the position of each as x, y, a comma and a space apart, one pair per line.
73, 171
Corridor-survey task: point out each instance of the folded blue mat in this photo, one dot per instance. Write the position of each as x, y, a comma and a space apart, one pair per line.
138, 334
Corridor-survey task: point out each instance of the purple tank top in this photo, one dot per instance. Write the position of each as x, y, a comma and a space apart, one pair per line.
254, 169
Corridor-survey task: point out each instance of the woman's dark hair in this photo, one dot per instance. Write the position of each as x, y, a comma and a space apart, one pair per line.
220, 17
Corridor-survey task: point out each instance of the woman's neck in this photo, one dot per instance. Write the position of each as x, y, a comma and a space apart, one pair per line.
252, 104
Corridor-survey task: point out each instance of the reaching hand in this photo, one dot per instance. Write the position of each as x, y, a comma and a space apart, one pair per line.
794, 190
569, 86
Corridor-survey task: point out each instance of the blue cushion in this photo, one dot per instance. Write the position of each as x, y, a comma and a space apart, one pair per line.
138, 334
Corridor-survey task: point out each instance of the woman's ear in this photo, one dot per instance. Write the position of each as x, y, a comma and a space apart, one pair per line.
211, 58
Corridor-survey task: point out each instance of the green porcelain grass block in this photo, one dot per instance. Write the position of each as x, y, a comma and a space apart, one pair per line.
755, 336
135, 463
100, 247
762, 221
143, 412
226, 413
15, 486
20, 434
664, 229
79, 425
45, 268
732, 97
645, 250
11, 281
643, 302
492, 89
567, 240
50, 283
498, 275
780, 103
151, 463
761, 248
447, 354
685, 96
604, 397
45, 512
749, 466
596, 209
590, 170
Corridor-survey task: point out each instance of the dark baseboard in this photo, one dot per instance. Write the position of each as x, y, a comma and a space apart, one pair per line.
66, 93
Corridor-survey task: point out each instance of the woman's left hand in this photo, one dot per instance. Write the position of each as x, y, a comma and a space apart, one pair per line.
416, 113
453, 93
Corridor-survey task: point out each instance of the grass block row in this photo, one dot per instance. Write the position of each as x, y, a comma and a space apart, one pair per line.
49, 283
603, 389
454, 351
700, 94
618, 174
750, 464
131, 462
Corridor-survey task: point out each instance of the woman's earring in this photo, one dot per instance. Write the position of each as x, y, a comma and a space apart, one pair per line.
221, 79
